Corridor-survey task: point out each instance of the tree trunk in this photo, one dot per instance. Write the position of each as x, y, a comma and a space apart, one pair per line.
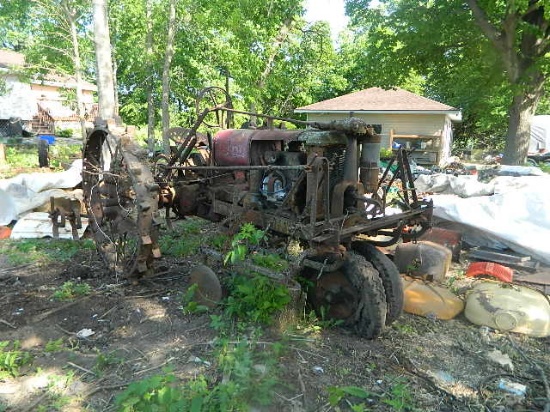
166, 75
105, 83
522, 110
520, 52
150, 79
77, 70
2, 155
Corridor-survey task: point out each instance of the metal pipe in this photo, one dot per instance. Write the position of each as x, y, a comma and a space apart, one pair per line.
231, 168
350, 167
370, 157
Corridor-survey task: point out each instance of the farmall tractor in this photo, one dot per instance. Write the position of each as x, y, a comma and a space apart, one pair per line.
320, 185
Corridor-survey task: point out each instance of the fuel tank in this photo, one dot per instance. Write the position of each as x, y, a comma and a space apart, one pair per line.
244, 147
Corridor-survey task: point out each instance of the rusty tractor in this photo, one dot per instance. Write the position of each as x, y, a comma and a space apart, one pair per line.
320, 185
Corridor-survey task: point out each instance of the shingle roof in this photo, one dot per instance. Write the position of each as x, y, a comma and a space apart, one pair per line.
10, 58
376, 99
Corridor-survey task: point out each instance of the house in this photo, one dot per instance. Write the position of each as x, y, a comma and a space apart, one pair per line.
399, 116
39, 103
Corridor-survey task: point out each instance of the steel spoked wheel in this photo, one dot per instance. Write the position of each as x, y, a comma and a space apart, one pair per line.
391, 279
121, 199
210, 102
353, 294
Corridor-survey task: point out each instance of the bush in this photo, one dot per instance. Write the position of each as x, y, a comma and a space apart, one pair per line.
65, 133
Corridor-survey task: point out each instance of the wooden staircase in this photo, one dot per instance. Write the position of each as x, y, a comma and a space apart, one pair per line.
42, 122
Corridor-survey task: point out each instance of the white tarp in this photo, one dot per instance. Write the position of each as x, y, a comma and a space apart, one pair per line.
508, 211
540, 133
27, 191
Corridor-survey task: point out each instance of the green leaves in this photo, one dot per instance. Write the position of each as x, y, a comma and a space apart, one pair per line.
71, 290
255, 298
12, 358
247, 237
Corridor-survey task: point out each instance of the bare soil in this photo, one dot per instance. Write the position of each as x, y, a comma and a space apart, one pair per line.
418, 363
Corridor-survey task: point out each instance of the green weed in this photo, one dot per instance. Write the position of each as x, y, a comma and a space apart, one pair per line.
12, 358
249, 379
242, 242
186, 238
400, 397
270, 261
255, 298
106, 360
189, 303
403, 328
54, 346
337, 394
71, 290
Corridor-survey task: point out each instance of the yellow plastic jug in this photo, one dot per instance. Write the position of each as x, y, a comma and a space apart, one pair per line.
508, 307
430, 300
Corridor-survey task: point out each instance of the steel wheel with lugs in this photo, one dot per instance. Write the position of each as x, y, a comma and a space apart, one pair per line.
121, 198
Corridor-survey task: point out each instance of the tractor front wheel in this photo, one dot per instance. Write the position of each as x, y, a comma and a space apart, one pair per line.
352, 294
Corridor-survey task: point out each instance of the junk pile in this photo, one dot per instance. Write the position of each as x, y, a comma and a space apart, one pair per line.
492, 298
43, 204
495, 230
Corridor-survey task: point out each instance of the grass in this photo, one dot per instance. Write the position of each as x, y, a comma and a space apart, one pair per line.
42, 251
24, 158
185, 238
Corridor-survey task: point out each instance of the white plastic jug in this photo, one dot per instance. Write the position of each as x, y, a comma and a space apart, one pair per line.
508, 307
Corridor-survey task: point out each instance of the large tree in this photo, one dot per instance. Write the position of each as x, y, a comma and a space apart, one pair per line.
104, 63
520, 34
498, 82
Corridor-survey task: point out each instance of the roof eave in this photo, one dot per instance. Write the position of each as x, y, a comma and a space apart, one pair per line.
455, 115
72, 85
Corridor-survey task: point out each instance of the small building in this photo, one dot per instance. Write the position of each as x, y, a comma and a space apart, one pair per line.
399, 116
39, 103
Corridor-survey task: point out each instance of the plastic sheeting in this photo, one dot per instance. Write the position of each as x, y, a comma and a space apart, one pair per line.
540, 133
28, 191
507, 212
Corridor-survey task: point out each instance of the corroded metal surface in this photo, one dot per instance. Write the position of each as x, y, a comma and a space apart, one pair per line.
121, 198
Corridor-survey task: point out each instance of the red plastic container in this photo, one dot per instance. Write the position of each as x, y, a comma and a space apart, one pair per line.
5, 232
502, 273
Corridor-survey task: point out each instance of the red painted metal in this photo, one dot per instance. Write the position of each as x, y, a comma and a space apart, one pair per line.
451, 239
232, 147
235, 147
500, 272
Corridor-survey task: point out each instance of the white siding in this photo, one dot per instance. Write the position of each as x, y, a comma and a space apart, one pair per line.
18, 101
414, 123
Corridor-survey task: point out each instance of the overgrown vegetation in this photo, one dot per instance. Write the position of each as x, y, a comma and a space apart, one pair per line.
24, 158
186, 237
71, 290
12, 358
358, 399
42, 251
250, 375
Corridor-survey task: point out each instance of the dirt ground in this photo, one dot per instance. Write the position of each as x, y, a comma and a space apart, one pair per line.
418, 364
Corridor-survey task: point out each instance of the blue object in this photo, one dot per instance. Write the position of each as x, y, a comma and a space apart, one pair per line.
49, 138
